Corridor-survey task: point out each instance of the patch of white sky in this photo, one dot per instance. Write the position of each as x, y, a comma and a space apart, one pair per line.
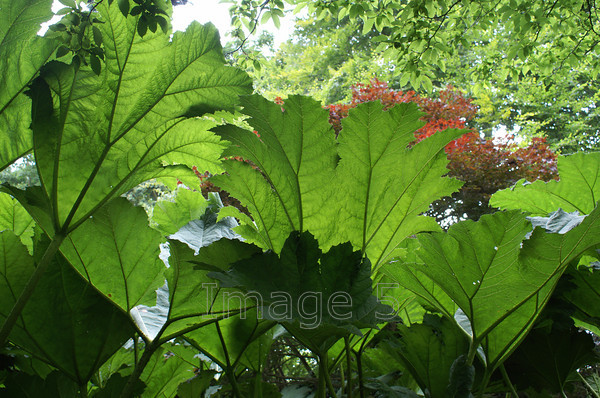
215, 12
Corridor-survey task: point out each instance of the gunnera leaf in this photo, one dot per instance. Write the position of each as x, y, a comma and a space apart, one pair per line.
577, 190
66, 322
22, 54
369, 187
117, 252
96, 136
499, 277
319, 297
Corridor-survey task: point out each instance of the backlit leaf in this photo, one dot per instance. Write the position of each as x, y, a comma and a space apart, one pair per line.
22, 54
97, 136
577, 190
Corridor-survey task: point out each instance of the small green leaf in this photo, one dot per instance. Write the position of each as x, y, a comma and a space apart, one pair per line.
142, 27
64, 11
69, 3
462, 376
124, 7
97, 36
95, 64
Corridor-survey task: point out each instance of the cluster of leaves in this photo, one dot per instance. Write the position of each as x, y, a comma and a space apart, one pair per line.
546, 37
97, 300
78, 34
321, 59
484, 165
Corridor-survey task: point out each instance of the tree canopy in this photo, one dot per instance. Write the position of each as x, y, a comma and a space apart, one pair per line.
546, 37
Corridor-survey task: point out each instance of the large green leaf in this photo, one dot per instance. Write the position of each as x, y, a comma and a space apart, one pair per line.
500, 279
383, 184
372, 197
22, 54
319, 297
428, 351
97, 136
548, 360
66, 323
117, 252
577, 190
296, 156
190, 298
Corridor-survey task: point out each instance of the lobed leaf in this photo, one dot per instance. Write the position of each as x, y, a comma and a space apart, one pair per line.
296, 156
22, 54
65, 323
319, 297
372, 197
499, 279
117, 252
97, 136
577, 190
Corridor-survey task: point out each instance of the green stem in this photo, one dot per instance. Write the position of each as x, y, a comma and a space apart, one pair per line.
230, 370
323, 362
361, 387
508, 382
11, 319
139, 368
136, 348
342, 376
484, 382
472, 352
348, 366
321, 391
588, 386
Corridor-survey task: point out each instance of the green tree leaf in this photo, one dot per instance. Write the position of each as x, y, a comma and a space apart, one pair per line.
428, 351
548, 360
129, 121
375, 194
22, 54
383, 184
168, 217
577, 190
